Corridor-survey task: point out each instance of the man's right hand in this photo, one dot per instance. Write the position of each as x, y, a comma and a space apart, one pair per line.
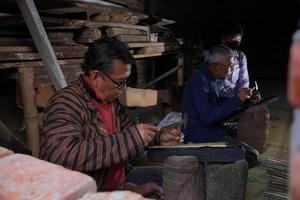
244, 94
147, 132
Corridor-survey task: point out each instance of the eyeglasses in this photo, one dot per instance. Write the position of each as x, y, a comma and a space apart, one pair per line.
230, 65
120, 84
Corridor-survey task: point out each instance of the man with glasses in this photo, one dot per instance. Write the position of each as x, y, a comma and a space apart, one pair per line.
203, 102
86, 129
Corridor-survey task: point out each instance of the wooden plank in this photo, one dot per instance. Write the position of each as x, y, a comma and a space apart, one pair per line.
114, 31
133, 38
36, 56
60, 11
99, 6
128, 26
133, 4
145, 44
15, 41
89, 33
27, 41
30, 110
31, 49
149, 50
147, 55
37, 63
75, 24
115, 17
60, 34
196, 145
42, 42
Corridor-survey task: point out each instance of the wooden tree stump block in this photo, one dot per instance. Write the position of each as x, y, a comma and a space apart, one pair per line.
253, 127
226, 182
183, 178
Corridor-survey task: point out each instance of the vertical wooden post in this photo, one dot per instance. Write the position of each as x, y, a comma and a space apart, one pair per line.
180, 72
42, 42
26, 76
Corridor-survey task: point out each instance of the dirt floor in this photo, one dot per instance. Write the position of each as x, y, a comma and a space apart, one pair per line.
278, 139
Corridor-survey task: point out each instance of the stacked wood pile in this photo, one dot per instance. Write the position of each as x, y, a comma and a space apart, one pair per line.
278, 178
71, 26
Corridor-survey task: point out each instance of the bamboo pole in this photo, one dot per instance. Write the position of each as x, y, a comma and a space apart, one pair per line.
26, 77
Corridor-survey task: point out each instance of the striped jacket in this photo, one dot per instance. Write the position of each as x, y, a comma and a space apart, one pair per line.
73, 134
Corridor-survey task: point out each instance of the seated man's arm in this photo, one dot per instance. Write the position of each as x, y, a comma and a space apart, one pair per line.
65, 144
209, 113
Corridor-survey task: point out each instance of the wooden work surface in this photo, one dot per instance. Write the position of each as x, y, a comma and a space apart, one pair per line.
189, 146
205, 152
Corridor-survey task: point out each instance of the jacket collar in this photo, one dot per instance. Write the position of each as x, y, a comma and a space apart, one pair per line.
207, 72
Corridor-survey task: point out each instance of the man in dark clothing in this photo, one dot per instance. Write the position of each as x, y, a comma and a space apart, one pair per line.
202, 100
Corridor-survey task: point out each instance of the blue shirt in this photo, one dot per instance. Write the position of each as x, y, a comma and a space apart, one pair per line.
205, 107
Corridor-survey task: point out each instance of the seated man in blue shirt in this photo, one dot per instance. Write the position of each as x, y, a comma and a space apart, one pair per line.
202, 100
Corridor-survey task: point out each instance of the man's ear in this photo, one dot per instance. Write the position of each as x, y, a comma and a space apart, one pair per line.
93, 75
96, 78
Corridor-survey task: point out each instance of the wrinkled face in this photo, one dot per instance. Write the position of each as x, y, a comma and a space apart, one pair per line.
224, 69
111, 86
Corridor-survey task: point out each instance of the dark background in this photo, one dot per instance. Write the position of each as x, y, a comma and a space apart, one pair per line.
268, 27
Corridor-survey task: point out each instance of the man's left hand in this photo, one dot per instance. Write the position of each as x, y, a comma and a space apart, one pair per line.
171, 136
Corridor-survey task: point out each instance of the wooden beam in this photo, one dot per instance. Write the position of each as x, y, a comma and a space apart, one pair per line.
97, 7
145, 44
26, 76
168, 73
36, 56
42, 43
128, 26
147, 55
149, 50
114, 31
30, 49
133, 38
37, 63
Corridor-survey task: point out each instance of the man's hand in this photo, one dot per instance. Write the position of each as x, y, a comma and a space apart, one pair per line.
244, 94
145, 189
255, 97
171, 136
147, 132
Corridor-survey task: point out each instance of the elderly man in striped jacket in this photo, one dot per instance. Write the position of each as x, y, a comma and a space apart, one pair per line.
86, 129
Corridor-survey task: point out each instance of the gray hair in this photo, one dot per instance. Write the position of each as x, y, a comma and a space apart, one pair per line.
218, 54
